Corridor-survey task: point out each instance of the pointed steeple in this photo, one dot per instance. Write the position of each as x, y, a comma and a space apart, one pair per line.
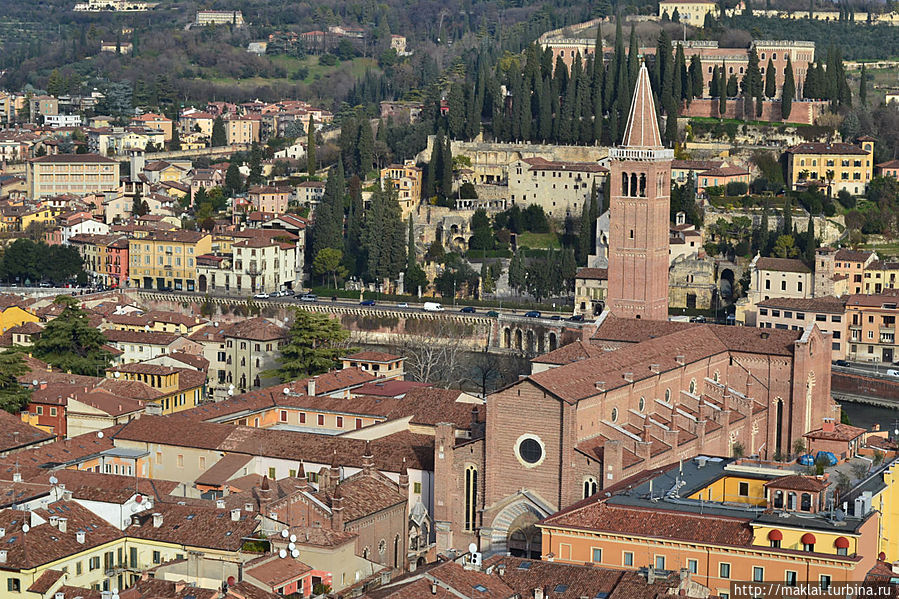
642, 130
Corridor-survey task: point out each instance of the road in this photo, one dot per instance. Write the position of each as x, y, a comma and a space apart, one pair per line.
872, 369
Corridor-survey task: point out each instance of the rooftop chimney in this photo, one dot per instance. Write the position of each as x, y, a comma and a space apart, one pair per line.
247, 507
235, 515
79, 536
157, 519
2, 556
54, 521
600, 385
310, 387
828, 425
220, 504
538, 593
63, 524
654, 368
629, 377
679, 360
2, 532
17, 477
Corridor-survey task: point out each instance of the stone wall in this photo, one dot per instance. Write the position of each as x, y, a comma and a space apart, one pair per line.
828, 229
803, 111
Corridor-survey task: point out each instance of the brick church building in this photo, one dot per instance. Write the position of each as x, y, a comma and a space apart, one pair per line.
633, 393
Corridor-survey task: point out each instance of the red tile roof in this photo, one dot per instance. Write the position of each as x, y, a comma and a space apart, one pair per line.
274, 571
656, 523
782, 265
797, 482
94, 486
372, 356
46, 581
826, 148
193, 526
255, 329
15, 434
840, 432
598, 274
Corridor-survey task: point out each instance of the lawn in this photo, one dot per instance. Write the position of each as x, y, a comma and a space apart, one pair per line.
355, 67
539, 241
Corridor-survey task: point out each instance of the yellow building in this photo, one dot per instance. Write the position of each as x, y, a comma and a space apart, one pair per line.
692, 13
180, 388
166, 260
832, 166
406, 180
11, 314
41, 214
77, 174
886, 500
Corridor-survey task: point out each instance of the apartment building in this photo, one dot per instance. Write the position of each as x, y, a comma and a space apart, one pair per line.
691, 12
560, 188
833, 166
881, 275
176, 389
242, 130
406, 180
841, 271
269, 199
166, 260
77, 174
264, 264
219, 17
795, 314
872, 327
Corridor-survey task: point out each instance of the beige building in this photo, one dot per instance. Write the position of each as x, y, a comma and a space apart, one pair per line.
380, 364
251, 349
689, 12
269, 199
242, 130
881, 275
779, 277
560, 188
264, 265
406, 180
832, 166
590, 288
827, 313
77, 174
691, 282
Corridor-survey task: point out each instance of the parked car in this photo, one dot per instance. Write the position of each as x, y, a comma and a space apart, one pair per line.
367, 303
492, 314
576, 318
288, 292
532, 314
555, 317
699, 318
260, 296
844, 363
893, 372
468, 310
308, 297
403, 305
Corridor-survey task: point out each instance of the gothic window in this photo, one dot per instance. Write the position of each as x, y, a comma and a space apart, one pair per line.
590, 487
642, 185
624, 187
614, 414
642, 404
471, 496
633, 184
693, 386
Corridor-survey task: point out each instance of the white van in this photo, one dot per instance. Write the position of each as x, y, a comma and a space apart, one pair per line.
893, 372
432, 307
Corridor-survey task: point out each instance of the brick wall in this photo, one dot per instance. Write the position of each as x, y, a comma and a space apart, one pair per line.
803, 112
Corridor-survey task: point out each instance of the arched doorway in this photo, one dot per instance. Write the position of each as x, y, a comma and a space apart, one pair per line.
531, 342
507, 337
201, 281
524, 537
518, 343
553, 342
726, 284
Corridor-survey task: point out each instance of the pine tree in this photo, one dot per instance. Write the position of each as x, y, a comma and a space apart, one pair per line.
770, 79
310, 147
365, 148
70, 343
314, 344
789, 91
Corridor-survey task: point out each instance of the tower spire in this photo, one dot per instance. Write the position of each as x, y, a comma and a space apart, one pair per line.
642, 129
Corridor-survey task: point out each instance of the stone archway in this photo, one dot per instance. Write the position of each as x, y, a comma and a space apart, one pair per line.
553, 342
507, 337
514, 530
518, 340
531, 342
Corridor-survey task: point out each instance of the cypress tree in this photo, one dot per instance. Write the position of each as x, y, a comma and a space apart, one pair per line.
456, 117
384, 237
763, 232
770, 79
446, 182
434, 166
597, 111
681, 80
410, 247
666, 69
722, 93
633, 61
310, 147
365, 148
584, 241
354, 223
713, 84
545, 118
522, 106
788, 219
810, 243
732, 87
789, 92
863, 88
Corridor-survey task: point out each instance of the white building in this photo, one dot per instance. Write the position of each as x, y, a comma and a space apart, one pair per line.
63, 120
560, 188
264, 265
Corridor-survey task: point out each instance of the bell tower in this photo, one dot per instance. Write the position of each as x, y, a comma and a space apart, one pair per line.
640, 172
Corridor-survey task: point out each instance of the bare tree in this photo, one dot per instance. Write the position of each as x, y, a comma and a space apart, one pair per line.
435, 356
490, 371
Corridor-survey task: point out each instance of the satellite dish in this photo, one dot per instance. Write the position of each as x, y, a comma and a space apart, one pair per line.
231, 581
34, 383
286, 390
25, 528
116, 374
472, 548
293, 538
295, 553
53, 480
282, 554
284, 533
100, 434
291, 546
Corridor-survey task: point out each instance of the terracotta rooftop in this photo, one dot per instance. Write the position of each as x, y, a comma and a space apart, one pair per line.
224, 469
274, 571
840, 432
74, 159
46, 581
255, 329
12, 493
828, 305
782, 265
193, 526
321, 537
154, 588
365, 494
372, 356
388, 388
642, 128
114, 488
572, 352
826, 148
797, 482
849, 255
44, 543
600, 274
16, 435
245, 590
656, 523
